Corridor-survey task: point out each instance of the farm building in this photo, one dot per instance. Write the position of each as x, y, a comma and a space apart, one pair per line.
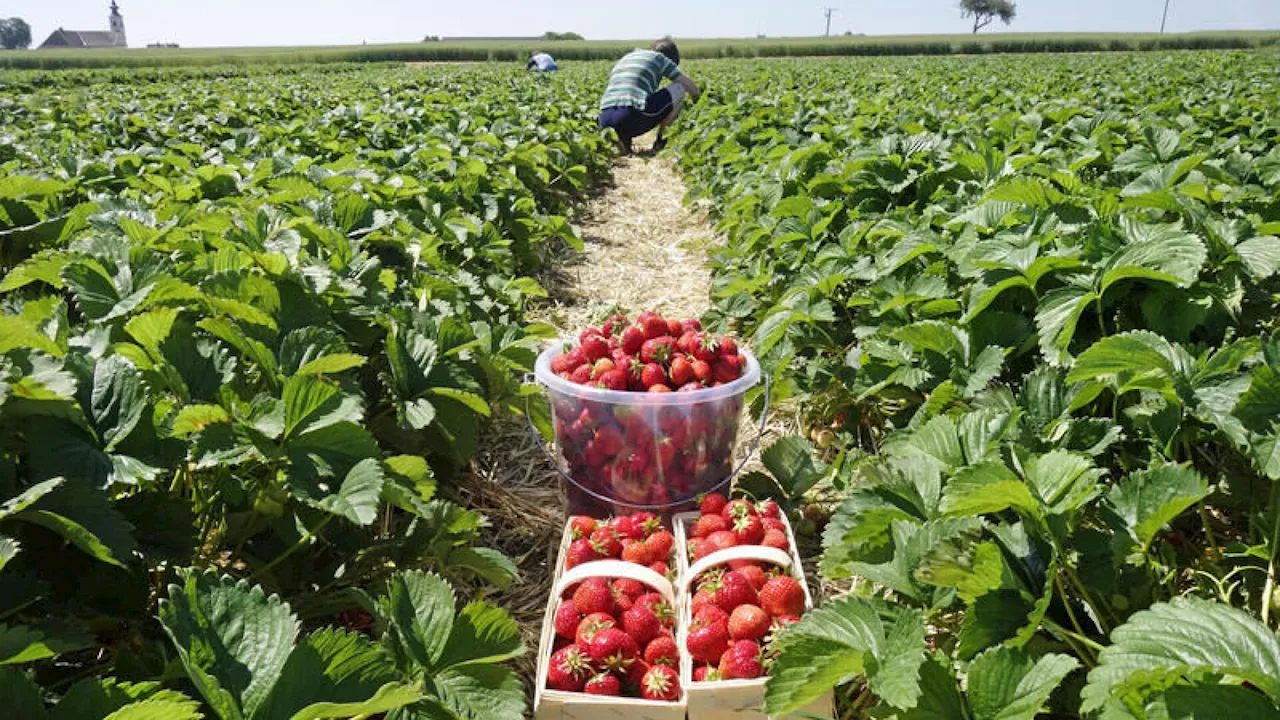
114, 37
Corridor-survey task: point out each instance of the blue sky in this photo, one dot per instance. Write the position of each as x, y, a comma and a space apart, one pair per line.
329, 22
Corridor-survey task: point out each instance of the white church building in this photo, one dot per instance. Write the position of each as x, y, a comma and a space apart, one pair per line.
91, 38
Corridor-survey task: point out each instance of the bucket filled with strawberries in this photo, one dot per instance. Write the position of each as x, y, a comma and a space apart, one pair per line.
646, 412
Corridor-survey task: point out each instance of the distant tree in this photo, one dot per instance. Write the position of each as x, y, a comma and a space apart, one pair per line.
561, 36
431, 38
15, 34
984, 12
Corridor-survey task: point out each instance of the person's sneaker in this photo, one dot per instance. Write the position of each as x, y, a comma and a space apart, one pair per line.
625, 144
659, 145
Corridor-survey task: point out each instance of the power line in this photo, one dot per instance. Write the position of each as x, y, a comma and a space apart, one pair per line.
1164, 17
827, 12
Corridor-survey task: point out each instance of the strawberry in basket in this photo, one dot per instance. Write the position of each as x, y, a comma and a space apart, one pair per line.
640, 538
614, 637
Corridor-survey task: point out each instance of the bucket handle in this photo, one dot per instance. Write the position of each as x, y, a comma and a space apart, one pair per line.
555, 464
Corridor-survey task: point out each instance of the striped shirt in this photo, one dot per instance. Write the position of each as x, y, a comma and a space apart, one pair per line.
637, 76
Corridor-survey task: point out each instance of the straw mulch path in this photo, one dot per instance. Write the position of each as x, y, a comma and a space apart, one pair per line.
645, 250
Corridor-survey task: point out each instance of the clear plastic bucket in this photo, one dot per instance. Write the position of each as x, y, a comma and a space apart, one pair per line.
621, 452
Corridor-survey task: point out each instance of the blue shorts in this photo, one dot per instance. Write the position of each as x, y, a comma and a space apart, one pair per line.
632, 122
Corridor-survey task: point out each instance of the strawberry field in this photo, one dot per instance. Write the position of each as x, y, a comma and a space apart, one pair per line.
1028, 309
256, 325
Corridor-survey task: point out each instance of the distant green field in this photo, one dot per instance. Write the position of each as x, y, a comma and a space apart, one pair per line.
692, 48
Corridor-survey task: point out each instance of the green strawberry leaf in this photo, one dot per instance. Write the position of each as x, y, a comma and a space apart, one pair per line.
1009, 684
1147, 500
233, 639
1184, 638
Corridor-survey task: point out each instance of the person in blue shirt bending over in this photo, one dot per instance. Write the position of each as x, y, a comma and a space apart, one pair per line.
541, 62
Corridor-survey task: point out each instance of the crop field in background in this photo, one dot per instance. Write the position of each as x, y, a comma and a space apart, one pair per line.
500, 51
254, 322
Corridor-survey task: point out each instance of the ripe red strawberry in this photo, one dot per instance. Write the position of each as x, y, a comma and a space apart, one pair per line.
567, 620
684, 342
632, 338
662, 650
675, 328
636, 551
703, 347
659, 606
702, 372
580, 551
606, 542
700, 548
712, 504
581, 526
624, 526
660, 683
610, 440
613, 649
705, 596
652, 374
594, 347
631, 588
603, 684
782, 595
708, 524
654, 327
773, 523
569, 669
647, 523
641, 624
768, 509
657, 350
594, 596
725, 370
733, 590
661, 568
693, 324
737, 508
706, 643
567, 361
581, 375
616, 380
776, 539
681, 371
590, 625
741, 661
722, 540
754, 574
660, 544
706, 673
748, 530
710, 614
748, 622
728, 346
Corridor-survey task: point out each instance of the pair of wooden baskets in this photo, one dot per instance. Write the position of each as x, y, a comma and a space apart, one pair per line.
723, 700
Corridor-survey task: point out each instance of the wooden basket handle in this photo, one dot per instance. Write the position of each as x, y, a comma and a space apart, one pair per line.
617, 569
740, 552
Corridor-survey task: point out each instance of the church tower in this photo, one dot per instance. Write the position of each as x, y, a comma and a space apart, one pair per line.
117, 24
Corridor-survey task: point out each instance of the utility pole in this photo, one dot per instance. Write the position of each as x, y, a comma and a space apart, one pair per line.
1164, 17
827, 12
